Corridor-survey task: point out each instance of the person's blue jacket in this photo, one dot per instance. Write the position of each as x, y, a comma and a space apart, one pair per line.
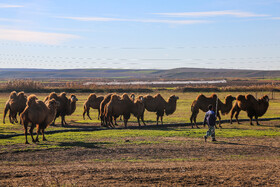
210, 118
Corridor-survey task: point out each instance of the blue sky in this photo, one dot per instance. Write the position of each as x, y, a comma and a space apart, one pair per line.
145, 34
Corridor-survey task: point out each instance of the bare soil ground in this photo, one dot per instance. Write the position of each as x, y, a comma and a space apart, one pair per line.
176, 161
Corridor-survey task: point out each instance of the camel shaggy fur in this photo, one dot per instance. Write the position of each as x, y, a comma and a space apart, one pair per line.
202, 102
159, 105
253, 107
92, 102
15, 105
67, 105
39, 114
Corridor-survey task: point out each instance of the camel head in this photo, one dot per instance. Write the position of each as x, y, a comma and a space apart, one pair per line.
73, 98
173, 98
265, 98
132, 96
140, 98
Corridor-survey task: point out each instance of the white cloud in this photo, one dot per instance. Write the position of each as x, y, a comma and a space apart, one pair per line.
213, 13
103, 19
275, 18
37, 37
10, 6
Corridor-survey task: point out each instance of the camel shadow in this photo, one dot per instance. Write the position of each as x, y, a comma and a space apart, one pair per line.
92, 145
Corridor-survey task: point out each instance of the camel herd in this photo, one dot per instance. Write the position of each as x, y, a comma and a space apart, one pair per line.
43, 113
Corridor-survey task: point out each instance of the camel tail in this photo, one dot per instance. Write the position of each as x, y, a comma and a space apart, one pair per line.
7, 108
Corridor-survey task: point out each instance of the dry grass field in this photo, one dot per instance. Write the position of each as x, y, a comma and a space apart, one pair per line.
84, 154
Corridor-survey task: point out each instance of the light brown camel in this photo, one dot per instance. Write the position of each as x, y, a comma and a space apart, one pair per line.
202, 102
92, 102
39, 114
159, 105
15, 105
254, 108
67, 105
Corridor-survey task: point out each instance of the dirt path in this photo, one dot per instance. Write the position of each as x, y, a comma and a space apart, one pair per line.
178, 160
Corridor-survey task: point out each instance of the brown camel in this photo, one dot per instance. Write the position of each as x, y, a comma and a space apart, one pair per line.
254, 108
103, 103
67, 105
202, 102
92, 102
138, 109
16, 104
39, 114
124, 106
159, 105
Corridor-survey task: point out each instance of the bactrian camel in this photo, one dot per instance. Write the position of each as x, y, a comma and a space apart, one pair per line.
202, 102
39, 114
254, 108
159, 105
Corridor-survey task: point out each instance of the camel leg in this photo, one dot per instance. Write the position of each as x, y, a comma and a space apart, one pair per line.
236, 116
11, 118
257, 120
38, 132
25, 132
161, 120
142, 118
43, 134
125, 122
31, 132
138, 119
5, 113
85, 109
115, 120
251, 118
157, 119
232, 114
15, 118
98, 114
88, 114
219, 116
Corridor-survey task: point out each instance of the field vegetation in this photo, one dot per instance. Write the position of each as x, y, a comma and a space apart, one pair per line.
84, 153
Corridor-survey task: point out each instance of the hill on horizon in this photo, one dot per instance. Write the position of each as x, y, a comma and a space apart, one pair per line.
178, 73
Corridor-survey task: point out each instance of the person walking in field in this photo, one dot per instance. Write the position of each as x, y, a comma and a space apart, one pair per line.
210, 119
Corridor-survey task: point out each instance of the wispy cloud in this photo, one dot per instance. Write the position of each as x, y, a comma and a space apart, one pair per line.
213, 14
10, 6
275, 18
103, 19
33, 36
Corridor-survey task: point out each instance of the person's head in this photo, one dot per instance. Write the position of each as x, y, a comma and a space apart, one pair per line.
210, 107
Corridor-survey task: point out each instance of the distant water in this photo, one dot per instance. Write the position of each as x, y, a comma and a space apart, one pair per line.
156, 82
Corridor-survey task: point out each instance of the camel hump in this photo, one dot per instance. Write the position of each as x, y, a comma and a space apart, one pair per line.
250, 98
214, 96
240, 97
125, 96
92, 96
62, 94
31, 100
13, 95
114, 97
